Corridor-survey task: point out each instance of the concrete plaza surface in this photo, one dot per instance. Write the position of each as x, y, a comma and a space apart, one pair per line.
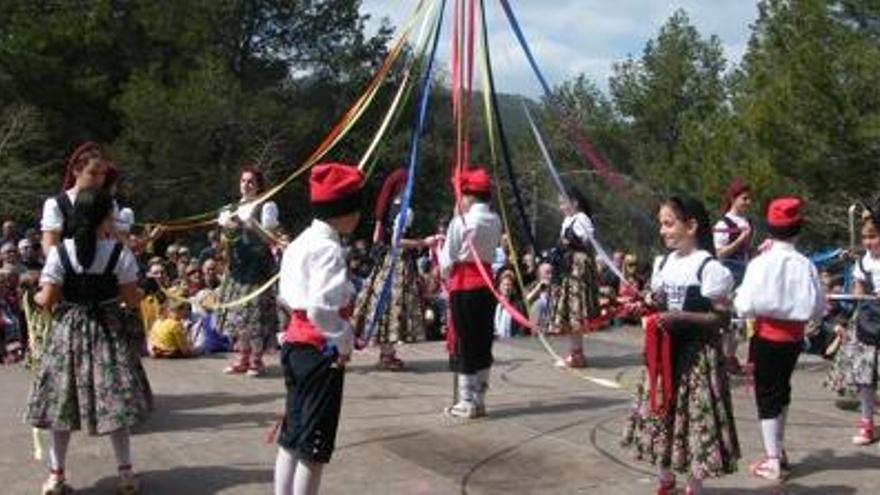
549, 431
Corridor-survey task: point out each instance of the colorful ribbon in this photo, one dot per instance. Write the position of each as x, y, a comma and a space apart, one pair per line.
382, 303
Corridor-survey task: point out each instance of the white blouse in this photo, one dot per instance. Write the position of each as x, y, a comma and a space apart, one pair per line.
872, 265
126, 270
53, 220
680, 272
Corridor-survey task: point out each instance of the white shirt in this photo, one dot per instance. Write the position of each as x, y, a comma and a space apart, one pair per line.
480, 225
314, 279
581, 226
503, 322
245, 211
53, 220
781, 284
681, 272
872, 265
126, 268
721, 236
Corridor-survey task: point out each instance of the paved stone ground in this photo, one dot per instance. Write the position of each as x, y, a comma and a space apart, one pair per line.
549, 432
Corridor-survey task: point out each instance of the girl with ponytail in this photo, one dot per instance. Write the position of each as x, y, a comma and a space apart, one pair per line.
682, 420
90, 375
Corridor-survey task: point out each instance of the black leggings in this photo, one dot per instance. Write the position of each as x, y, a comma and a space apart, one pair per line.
774, 364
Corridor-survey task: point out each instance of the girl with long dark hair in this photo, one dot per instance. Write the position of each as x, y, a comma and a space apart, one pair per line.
90, 375
682, 419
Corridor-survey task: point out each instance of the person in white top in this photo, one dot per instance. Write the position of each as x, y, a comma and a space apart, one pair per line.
691, 429
577, 298
316, 290
781, 291
251, 264
733, 245
466, 261
855, 369
85, 168
90, 375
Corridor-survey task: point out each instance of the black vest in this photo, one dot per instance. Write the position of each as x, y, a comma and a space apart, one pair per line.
250, 257
89, 289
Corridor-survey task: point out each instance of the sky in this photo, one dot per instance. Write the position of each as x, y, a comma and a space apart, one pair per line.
569, 37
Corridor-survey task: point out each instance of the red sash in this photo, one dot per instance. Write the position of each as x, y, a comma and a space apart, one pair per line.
658, 362
780, 330
465, 277
301, 330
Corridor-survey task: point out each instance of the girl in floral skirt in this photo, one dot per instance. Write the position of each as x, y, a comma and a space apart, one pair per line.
576, 299
90, 375
689, 428
855, 366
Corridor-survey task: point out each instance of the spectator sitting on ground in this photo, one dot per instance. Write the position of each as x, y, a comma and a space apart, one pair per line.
30, 254
168, 336
11, 324
210, 274
10, 232
505, 326
212, 250
11, 259
539, 298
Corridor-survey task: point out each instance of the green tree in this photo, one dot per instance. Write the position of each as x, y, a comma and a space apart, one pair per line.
677, 84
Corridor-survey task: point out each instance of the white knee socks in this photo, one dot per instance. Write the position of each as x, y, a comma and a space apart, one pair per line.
58, 450
783, 418
121, 440
285, 468
770, 433
307, 480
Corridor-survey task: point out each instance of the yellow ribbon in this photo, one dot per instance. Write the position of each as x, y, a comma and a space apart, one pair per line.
487, 104
340, 130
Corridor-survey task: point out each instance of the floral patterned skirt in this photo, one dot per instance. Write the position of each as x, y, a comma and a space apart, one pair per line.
252, 324
90, 375
576, 299
855, 365
697, 436
403, 319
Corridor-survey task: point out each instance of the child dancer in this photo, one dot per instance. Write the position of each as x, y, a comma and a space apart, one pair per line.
402, 320
316, 289
691, 431
472, 305
90, 375
577, 301
855, 366
782, 292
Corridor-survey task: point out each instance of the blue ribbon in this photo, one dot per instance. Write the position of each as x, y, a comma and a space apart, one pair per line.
382, 303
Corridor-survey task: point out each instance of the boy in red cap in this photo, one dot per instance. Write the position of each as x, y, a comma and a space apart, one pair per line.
316, 290
475, 232
782, 292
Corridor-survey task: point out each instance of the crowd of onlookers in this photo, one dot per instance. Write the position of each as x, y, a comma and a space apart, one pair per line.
182, 278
